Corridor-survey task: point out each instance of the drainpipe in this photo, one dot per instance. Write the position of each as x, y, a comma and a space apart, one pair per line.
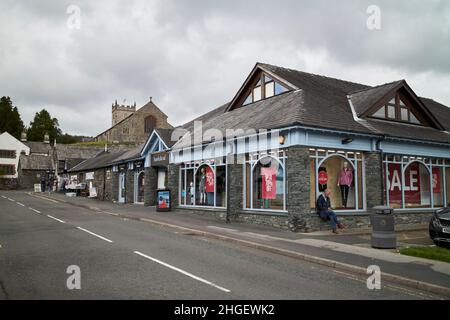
378, 148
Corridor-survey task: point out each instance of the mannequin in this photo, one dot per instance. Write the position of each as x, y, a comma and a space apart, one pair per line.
344, 182
202, 186
191, 193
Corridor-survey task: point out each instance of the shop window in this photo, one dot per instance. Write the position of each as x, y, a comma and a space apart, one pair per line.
337, 174
447, 184
268, 184
221, 192
417, 186
438, 187
203, 185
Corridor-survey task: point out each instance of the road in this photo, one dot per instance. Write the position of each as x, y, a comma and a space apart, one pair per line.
125, 259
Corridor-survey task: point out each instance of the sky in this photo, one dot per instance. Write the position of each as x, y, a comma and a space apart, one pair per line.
75, 58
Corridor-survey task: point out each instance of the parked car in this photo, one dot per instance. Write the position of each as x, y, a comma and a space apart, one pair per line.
440, 227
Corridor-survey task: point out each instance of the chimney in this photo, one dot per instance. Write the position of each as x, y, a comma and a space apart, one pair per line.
46, 138
23, 136
151, 98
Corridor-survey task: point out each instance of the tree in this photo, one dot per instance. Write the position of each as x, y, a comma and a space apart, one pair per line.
43, 124
10, 120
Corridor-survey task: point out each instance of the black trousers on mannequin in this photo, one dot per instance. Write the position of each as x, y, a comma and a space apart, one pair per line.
344, 195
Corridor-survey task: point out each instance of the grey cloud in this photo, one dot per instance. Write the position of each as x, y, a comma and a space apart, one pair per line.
193, 55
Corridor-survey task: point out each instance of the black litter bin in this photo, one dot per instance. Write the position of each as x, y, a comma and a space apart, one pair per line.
383, 228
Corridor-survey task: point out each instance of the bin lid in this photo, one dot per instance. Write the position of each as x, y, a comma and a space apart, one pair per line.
382, 210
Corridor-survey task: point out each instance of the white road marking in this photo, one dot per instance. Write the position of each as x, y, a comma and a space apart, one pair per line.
183, 272
94, 234
51, 217
11, 200
20, 204
4, 197
37, 211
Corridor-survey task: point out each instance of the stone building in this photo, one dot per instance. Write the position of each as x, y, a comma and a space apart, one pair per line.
134, 126
288, 135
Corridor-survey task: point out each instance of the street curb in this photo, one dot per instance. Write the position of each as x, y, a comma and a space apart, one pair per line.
414, 284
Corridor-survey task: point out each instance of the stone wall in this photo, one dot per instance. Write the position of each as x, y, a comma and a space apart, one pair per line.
28, 178
374, 179
115, 187
150, 186
129, 186
235, 185
298, 186
9, 184
173, 183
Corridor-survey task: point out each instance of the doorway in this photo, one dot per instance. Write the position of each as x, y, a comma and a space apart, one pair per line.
162, 178
139, 182
121, 198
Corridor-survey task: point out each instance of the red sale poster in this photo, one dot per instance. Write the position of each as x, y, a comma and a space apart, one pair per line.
436, 180
269, 183
209, 179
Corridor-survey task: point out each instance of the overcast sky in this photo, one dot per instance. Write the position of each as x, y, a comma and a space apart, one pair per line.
192, 56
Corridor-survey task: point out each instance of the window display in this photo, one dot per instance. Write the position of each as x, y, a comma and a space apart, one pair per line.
340, 172
414, 182
203, 184
265, 182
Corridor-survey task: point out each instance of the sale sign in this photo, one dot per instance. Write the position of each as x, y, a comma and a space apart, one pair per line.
269, 183
209, 179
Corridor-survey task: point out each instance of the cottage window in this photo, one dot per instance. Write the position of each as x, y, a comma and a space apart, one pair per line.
8, 154
7, 169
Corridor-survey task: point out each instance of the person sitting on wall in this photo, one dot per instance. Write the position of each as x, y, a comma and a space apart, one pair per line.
325, 212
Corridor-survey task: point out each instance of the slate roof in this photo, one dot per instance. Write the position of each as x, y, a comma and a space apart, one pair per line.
103, 160
39, 147
134, 153
365, 98
166, 136
320, 102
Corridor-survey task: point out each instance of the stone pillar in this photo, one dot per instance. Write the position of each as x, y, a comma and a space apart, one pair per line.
115, 187
150, 186
298, 188
129, 186
235, 185
173, 183
374, 179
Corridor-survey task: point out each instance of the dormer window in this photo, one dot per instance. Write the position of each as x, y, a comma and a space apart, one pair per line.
264, 88
397, 109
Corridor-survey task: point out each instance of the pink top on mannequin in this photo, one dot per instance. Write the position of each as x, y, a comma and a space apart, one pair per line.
346, 177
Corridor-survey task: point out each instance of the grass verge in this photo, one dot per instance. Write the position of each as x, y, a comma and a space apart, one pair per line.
433, 253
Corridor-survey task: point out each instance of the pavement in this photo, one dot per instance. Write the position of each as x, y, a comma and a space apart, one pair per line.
134, 252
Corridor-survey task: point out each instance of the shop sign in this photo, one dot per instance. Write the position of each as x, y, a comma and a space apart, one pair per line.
89, 175
122, 167
323, 178
269, 182
139, 164
160, 159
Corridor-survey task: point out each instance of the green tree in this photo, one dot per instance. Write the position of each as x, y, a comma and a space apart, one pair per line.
43, 124
10, 120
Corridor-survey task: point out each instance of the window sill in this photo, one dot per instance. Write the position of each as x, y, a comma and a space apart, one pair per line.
265, 212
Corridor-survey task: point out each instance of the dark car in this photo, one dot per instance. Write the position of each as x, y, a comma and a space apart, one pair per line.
440, 227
